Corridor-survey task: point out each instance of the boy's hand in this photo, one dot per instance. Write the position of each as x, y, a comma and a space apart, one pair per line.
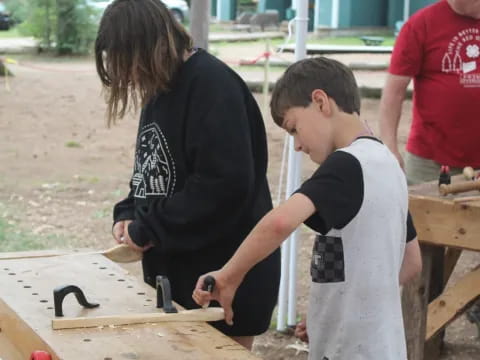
223, 292
301, 331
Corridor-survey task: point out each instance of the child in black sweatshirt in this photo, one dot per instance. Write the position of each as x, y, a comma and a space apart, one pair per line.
199, 179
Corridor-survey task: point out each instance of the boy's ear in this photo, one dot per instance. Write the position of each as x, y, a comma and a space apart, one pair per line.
320, 99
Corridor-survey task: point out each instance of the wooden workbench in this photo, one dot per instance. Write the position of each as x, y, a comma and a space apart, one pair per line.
26, 312
445, 226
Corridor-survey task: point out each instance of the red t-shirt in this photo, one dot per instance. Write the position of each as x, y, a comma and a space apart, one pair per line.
441, 51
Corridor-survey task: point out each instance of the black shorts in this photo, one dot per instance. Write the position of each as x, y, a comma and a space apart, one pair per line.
254, 301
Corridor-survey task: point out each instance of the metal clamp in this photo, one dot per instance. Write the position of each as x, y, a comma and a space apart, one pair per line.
60, 292
164, 295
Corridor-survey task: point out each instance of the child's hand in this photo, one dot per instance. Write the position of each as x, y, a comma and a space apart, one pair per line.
223, 292
119, 229
301, 331
126, 239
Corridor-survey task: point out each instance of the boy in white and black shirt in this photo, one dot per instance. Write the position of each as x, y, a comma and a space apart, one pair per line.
357, 200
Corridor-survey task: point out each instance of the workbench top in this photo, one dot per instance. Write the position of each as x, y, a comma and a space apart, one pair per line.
26, 312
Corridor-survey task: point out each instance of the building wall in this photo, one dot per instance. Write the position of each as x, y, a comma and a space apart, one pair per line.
368, 13
280, 5
324, 13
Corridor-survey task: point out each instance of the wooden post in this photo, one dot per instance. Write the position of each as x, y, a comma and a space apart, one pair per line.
199, 23
4, 70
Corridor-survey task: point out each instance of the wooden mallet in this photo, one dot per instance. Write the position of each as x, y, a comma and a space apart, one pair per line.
459, 187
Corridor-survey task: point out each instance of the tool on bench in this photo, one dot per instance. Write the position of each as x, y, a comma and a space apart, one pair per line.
444, 177
469, 173
59, 294
164, 300
459, 187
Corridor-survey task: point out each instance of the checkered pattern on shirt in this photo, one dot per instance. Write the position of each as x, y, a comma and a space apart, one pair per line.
327, 260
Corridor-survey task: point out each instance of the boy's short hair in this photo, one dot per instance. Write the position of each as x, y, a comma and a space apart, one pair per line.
296, 85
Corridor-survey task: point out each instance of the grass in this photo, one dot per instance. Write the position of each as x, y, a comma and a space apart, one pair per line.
14, 239
12, 33
72, 144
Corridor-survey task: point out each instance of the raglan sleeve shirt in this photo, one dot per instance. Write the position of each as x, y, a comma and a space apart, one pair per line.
336, 190
221, 180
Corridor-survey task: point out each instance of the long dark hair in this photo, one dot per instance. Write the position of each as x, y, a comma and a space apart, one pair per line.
139, 49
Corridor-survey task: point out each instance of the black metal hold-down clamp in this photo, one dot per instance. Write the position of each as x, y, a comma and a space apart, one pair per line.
60, 292
164, 295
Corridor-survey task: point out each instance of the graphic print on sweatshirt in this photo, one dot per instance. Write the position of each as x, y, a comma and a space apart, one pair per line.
154, 170
462, 57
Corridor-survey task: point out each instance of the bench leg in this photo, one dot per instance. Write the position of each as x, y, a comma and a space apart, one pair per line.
415, 297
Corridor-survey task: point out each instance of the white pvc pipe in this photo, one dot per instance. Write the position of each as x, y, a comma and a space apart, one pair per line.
289, 247
406, 9
285, 279
335, 13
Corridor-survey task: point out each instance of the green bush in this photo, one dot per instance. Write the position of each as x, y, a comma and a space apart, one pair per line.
68, 26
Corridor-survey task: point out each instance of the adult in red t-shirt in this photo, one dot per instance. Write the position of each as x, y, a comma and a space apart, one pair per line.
439, 47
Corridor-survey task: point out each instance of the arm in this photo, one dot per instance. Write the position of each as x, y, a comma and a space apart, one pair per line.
412, 262
267, 235
391, 103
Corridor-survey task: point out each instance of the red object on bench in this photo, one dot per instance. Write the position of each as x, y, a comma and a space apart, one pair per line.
40, 355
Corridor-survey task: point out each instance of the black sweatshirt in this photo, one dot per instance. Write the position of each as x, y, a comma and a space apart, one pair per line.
199, 183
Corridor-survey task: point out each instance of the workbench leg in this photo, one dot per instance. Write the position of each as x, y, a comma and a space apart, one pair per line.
451, 258
433, 347
415, 305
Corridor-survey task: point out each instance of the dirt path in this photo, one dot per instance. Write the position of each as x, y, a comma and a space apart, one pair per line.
62, 171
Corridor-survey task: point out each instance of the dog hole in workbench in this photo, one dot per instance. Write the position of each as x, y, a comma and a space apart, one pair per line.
102, 267
12, 274
20, 281
140, 293
87, 340
95, 263
34, 294
43, 301
148, 299
27, 286
50, 308
130, 286
121, 280
6, 269
112, 274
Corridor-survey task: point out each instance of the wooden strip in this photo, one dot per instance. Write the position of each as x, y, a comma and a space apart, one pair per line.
31, 254
443, 310
120, 253
209, 314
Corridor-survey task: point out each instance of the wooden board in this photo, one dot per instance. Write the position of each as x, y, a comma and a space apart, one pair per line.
26, 311
446, 220
444, 309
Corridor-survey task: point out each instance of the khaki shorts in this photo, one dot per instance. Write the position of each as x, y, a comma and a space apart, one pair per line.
421, 170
